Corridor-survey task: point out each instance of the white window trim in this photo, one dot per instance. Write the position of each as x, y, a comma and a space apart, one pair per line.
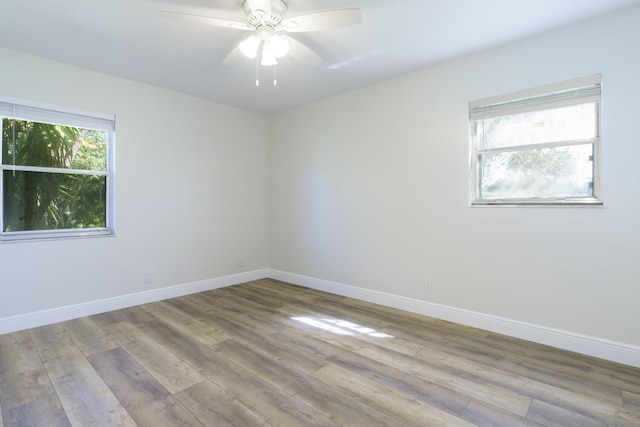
56, 114
556, 94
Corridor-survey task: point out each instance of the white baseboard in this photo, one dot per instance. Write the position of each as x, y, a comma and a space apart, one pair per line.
584, 344
46, 317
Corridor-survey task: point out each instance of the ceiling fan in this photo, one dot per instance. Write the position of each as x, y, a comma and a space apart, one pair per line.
269, 41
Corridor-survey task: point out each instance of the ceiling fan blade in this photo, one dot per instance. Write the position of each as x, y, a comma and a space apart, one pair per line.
259, 7
301, 52
322, 20
234, 57
216, 22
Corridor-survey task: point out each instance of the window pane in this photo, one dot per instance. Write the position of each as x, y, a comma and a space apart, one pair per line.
53, 201
546, 172
26, 143
538, 127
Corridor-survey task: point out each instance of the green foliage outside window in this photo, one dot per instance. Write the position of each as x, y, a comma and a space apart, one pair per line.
38, 192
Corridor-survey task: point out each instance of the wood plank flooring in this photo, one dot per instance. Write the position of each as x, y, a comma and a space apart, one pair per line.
267, 353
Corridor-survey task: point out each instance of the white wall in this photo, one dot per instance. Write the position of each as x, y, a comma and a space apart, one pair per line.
371, 189
191, 195
368, 189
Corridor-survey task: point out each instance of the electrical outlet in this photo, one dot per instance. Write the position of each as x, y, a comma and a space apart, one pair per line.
147, 277
241, 262
428, 285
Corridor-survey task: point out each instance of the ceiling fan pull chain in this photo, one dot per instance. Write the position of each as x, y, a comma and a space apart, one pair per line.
257, 72
275, 79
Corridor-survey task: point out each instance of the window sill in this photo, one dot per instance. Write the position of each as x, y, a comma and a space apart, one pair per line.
538, 203
34, 236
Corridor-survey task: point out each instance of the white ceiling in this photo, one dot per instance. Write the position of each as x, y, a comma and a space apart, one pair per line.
128, 38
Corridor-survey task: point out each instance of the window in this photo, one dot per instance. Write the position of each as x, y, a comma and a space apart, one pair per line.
538, 147
56, 166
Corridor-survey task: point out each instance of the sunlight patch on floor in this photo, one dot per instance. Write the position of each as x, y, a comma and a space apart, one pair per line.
340, 327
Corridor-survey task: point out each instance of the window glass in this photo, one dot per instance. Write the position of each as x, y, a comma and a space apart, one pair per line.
38, 201
538, 173
539, 127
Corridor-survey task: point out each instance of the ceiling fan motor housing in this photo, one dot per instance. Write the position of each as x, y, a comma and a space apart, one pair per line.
258, 17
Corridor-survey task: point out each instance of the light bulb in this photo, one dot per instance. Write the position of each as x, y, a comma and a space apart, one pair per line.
249, 47
279, 45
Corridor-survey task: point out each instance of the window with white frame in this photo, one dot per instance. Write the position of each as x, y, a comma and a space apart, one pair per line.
538, 147
57, 176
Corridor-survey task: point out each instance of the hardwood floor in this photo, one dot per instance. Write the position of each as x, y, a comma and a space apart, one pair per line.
267, 353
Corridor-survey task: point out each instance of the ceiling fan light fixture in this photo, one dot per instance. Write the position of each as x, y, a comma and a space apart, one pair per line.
268, 57
279, 46
249, 47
